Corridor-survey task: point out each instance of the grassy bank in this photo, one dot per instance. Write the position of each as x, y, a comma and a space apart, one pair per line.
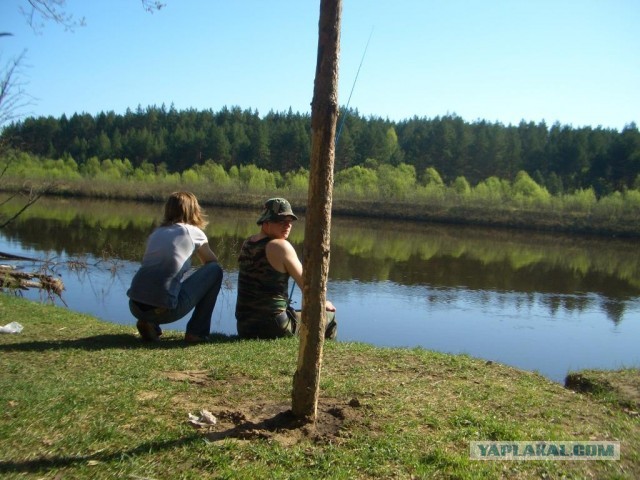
520, 204
619, 222
82, 398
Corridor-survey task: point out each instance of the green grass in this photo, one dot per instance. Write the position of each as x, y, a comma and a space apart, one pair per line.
80, 398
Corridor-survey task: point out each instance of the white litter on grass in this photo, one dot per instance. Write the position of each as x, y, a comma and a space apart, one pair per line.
13, 327
205, 419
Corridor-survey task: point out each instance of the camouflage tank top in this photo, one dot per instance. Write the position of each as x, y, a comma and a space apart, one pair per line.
262, 290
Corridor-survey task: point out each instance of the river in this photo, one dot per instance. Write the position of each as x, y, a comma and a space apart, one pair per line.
538, 301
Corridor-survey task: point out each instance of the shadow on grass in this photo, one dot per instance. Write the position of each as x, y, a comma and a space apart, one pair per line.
45, 463
101, 342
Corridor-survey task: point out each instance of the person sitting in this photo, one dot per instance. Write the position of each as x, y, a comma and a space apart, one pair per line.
160, 291
266, 262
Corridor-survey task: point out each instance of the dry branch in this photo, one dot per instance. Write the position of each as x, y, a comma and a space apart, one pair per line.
14, 279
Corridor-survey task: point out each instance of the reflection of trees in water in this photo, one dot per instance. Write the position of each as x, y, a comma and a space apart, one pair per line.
555, 304
77, 238
560, 267
119, 229
614, 309
474, 274
496, 253
570, 303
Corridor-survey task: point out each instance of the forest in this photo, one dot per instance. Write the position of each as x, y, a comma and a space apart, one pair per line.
559, 158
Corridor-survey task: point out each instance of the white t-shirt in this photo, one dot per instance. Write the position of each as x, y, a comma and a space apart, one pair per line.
165, 261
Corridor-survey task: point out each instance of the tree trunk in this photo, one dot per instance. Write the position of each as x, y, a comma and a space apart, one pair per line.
324, 114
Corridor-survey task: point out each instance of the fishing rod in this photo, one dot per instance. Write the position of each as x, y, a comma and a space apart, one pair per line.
346, 108
344, 116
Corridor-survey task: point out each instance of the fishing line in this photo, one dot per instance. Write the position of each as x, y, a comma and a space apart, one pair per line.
344, 116
344, 111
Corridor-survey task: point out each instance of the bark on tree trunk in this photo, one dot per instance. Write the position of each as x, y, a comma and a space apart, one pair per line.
324, 114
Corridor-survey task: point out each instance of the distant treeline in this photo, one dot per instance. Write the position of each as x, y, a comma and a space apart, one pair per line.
559, 158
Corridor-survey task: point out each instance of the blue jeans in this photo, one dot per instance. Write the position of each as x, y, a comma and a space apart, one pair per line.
198, 292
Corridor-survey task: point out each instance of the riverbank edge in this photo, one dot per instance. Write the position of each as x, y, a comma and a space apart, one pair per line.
619, 387
621, 225
404, 413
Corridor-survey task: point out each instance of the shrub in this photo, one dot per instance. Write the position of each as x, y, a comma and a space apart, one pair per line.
213, 173
492, 190
298, 181
580, 200
525, 186
256, 179
396, 182
431, 177
358, 181
461, 186
526, 191
190, 176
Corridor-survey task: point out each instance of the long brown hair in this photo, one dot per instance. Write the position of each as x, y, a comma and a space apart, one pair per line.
183, 207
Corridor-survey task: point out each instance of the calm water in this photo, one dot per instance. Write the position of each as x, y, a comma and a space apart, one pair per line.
542, 302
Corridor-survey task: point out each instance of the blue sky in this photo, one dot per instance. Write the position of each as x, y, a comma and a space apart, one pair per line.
575, 62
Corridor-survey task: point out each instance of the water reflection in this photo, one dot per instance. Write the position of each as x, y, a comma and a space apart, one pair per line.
458, 289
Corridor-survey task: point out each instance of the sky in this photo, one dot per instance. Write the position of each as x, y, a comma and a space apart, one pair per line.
575, 62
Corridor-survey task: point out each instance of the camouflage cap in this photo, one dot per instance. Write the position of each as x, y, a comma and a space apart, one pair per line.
276, 209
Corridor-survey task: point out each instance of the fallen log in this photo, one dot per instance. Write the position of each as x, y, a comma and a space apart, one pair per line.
13, 279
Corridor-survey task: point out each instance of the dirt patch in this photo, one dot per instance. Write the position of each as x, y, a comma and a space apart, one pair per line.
205, 378
631, 394
260, 420
623, 385
198, 377
275, 421
147, 396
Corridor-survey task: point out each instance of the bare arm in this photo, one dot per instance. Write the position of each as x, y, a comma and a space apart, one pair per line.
283, 257
205, 254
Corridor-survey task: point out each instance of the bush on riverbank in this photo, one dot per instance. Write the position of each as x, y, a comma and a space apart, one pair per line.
86, 399
374, 191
